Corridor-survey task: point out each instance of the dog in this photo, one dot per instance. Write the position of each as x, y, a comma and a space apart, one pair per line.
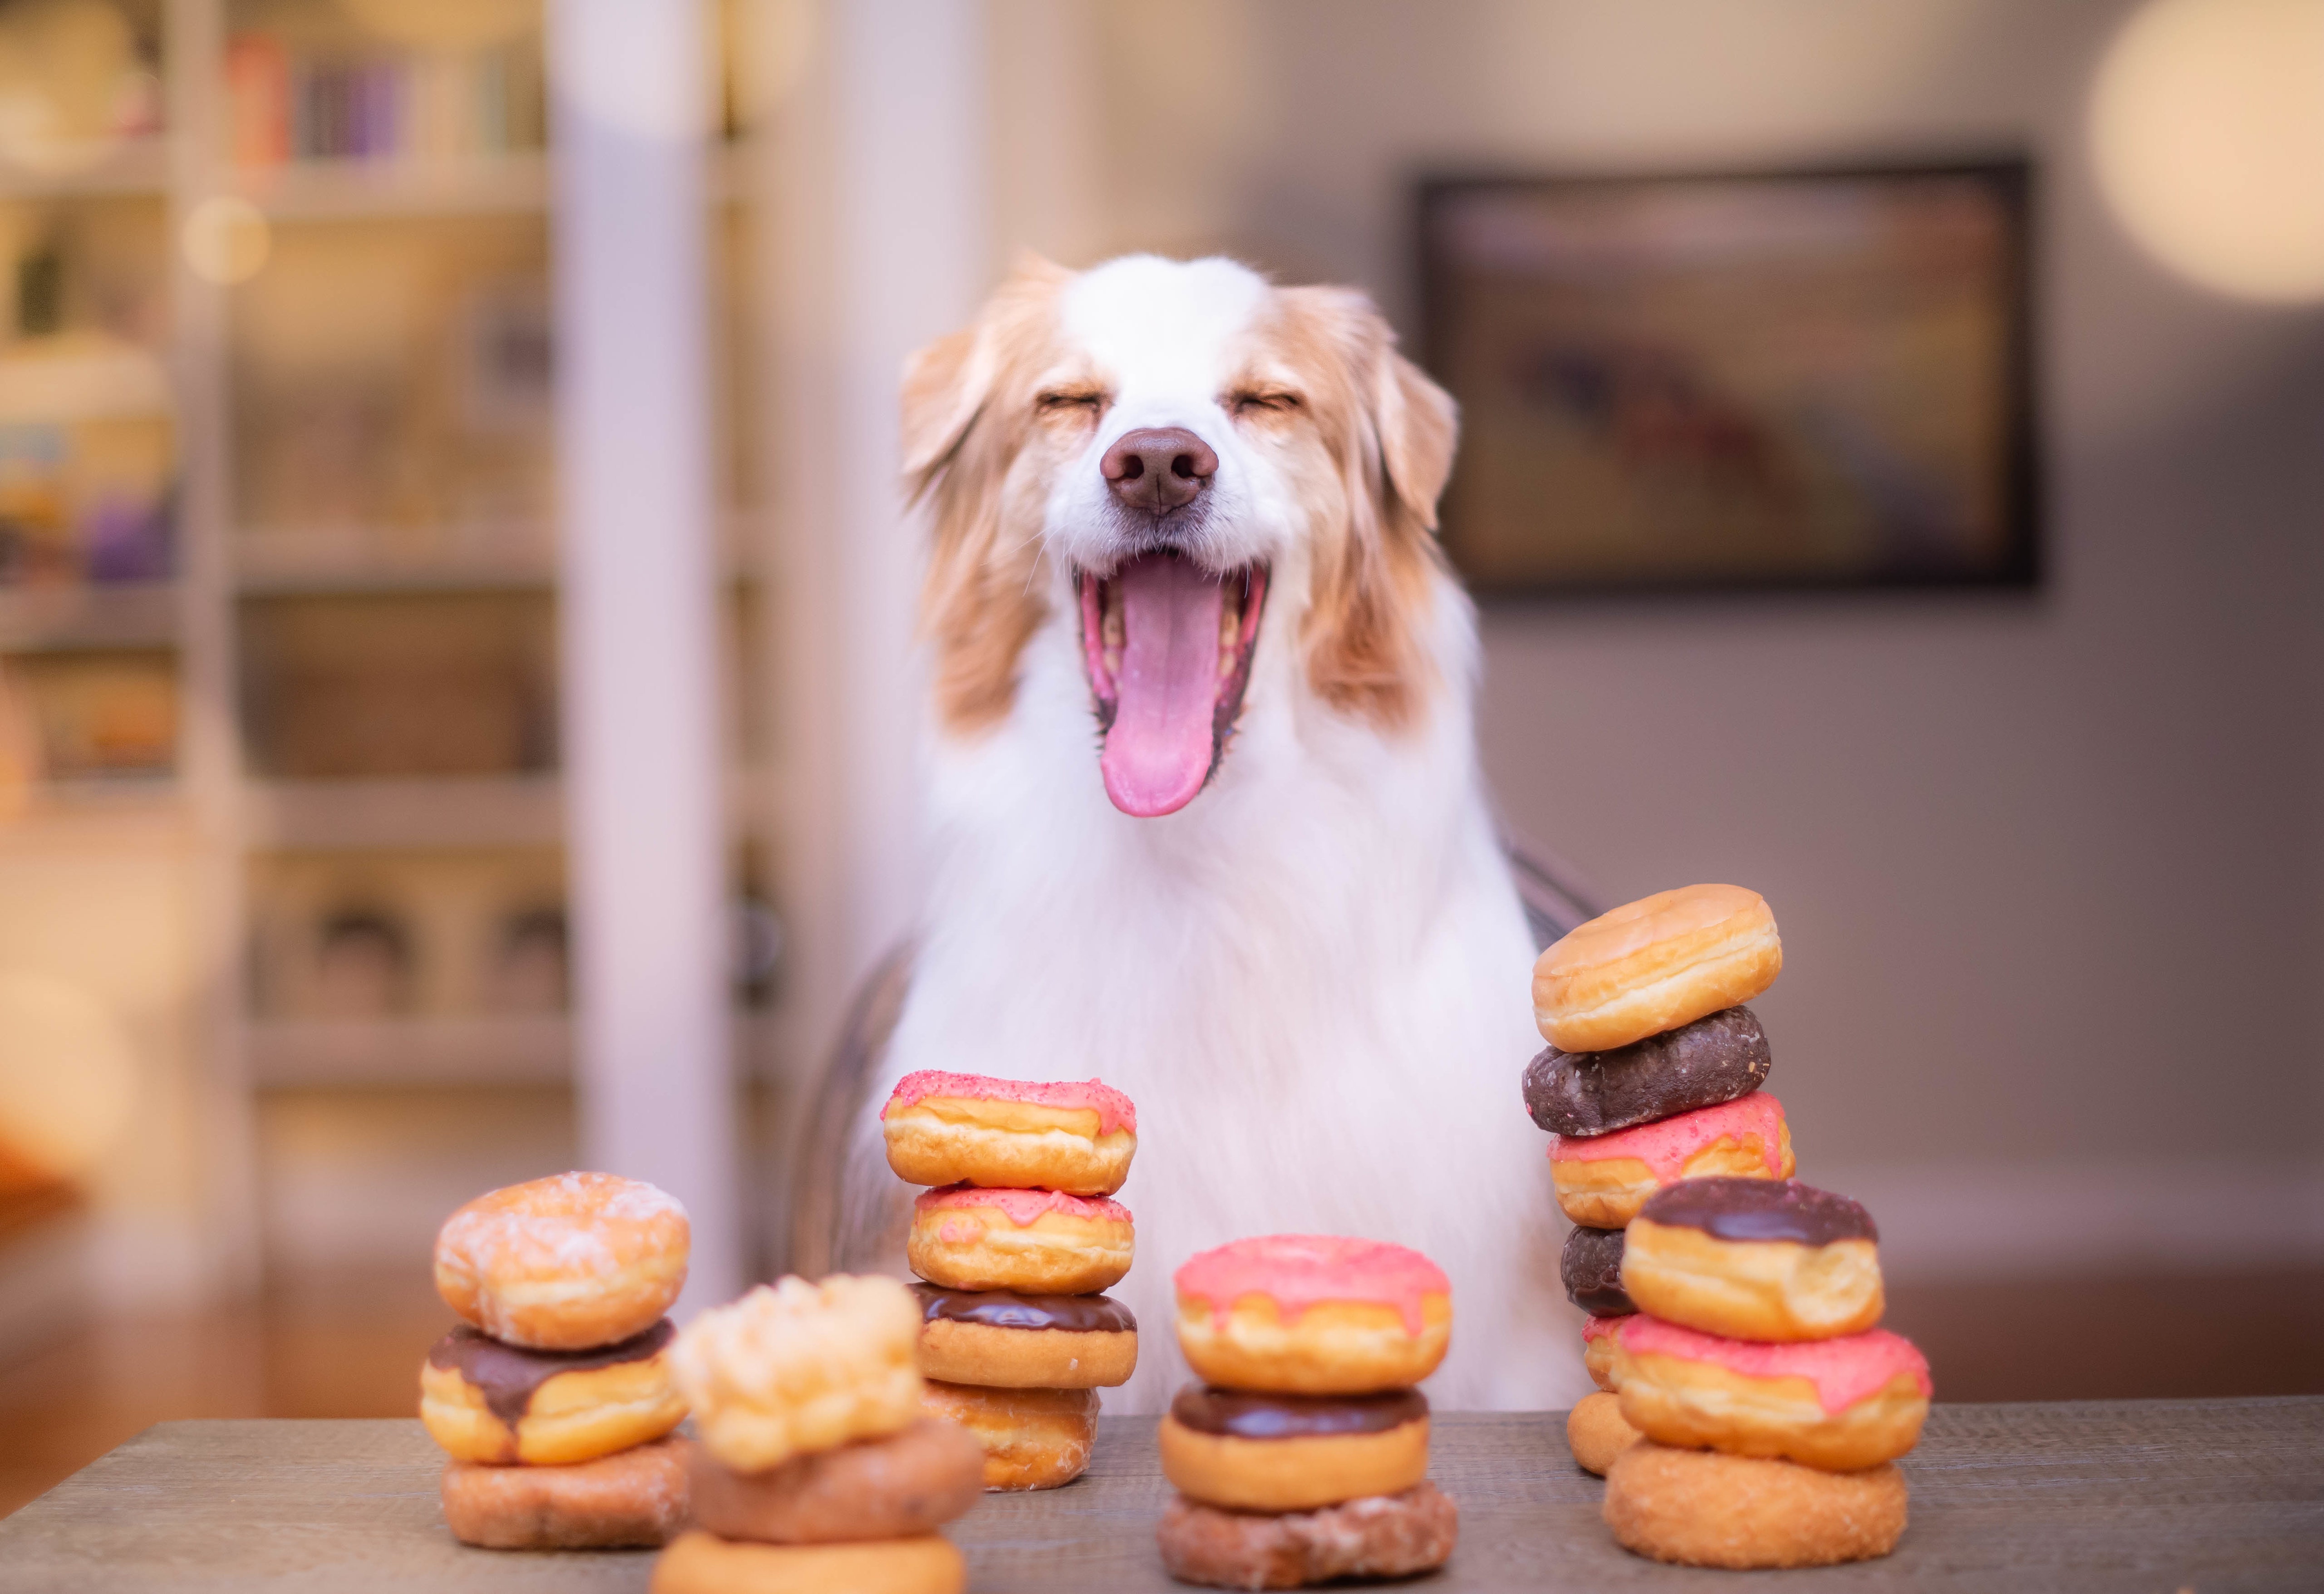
1204, 814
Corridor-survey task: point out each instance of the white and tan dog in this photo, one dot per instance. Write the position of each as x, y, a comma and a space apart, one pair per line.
1206, 819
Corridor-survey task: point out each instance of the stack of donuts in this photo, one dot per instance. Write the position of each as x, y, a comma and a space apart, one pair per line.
1302, 1454
1773, 1408
555, 1395
816, 1468
1651, 1076
1015, 1243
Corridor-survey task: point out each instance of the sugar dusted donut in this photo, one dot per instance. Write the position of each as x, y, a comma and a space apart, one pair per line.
1042, 1242
955, 1128
1700, 1508
484, 1401
1032, 1438
1601, 1351
567, 1263
700, 1563
794, 1368
636, 1497
1377, 1536
910, 1482
1756, 1260
1604, 1180
1840, 1404
1653, 965
1293, 1452
1313, 1315
1590, 1269
1713, 1060
1596, 1434
1012, 1342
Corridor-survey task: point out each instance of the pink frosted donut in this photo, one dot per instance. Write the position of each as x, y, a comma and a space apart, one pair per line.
1036, 1242
1313, 1314
1601, 1351
1841, 1404
1602, 1180
951, 1128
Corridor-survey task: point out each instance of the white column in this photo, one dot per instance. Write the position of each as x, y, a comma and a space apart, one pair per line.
642, 754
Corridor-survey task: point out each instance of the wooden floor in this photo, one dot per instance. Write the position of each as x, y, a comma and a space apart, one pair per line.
344, 1349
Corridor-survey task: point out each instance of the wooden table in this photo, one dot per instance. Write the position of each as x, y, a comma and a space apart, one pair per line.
2152, 1495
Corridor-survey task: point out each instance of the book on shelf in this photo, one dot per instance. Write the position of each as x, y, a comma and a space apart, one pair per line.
288, 105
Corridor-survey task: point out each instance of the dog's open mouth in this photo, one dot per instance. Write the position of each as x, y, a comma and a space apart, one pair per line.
1167, 645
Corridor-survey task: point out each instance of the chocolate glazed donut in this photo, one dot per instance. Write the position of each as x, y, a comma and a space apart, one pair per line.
1591, 1268
1750, 1210
1240, 1415
507, 1374
1703, 1064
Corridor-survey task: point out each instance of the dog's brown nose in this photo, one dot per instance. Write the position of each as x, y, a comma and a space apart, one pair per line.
1158, 468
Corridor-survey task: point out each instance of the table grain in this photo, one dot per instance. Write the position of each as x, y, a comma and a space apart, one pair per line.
2153, 1496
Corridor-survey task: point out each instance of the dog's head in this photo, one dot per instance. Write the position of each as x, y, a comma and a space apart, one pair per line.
1168, 450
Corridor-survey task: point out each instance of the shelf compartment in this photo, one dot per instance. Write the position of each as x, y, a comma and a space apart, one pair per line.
61, 618
421, 812
294, 1053
340, 189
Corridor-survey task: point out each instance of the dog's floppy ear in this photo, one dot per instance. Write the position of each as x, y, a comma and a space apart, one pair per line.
1418, 424
948, 383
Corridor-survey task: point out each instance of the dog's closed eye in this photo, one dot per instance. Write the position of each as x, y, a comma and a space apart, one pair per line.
1058, 400
1263, 401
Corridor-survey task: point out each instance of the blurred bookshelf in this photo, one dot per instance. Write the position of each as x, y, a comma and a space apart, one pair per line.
278, 563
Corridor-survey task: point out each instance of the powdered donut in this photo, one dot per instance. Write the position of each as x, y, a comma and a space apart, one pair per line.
1653, 965
953, 1128
1604, 1180
1702, 1508
636, 1497
1596, 1433
1756, 1260
908, 1483
1293, 1452
1377, 1536
563, 1264
1841, 1404
1313, 1315
1039, 1242
484, 1401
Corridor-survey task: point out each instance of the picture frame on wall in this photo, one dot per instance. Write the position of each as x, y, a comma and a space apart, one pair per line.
1770, 380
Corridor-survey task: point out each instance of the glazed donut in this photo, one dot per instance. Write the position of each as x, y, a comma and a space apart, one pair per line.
1293, 1452
908, 1483
484, 1401
1377, 1536
1756, 1260
637, 1497
968, 1128
1590, 1269
1007, 1340
1596, 1433
794, 1368
1313, 1315
1032, 1438
1653, 965
1841, 1404
1702, 1508
698, 1563
1040, 1241
563, 1264
1602, 1181
1699, 1064
1601, 1351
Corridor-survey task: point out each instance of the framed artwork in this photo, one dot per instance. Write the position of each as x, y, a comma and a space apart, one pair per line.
1800, 379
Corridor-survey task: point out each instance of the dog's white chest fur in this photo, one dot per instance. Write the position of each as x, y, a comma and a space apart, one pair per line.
1314, 982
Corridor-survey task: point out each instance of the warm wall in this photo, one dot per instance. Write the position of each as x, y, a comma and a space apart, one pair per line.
2049, 867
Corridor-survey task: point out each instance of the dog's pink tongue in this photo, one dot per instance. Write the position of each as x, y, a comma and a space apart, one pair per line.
1159, 751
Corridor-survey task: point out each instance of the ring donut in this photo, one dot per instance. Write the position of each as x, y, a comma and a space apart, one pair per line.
794, 1368
487, 1402
699, 1563
1032, 1438
636, 1497
1293, 1452
969, 1128
567, 1263
1042, 1242
1590, 1269
1313, 1315
1376, 1536
908, 1483
1007, 1340
1653, 965
1840, 1404
1754, 1260
1604, 1180
1700, 1508
1596, 1434
1713, 1060
1601, 1351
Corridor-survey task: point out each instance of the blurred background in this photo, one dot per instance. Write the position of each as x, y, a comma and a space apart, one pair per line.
455, 605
